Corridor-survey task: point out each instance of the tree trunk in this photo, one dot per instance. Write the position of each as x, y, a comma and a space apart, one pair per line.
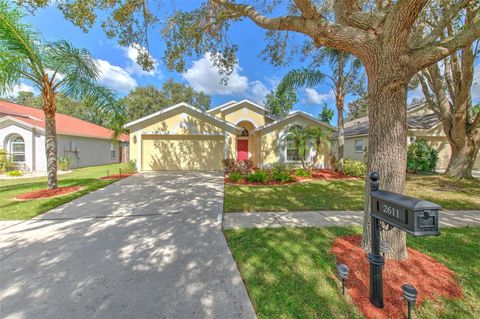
341, 133
461, 161
387, 144
50, 138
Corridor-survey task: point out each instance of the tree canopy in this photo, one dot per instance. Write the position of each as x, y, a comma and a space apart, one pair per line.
280, 103
146, 100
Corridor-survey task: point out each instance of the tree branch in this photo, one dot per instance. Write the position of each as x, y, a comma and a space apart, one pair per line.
402, 17
322, 32
445, 21
308, 9
349, 12
427, 55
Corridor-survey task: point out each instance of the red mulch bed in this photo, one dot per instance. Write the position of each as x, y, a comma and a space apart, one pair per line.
329, 174
431, 278
117, 176
45, 193
316, 174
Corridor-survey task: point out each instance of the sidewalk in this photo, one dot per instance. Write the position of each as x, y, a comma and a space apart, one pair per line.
331, 218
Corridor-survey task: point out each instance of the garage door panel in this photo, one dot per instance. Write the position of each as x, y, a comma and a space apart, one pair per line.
182, 152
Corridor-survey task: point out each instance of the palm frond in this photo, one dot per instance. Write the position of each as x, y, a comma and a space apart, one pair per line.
105, 103
19, 45
301, 78
71, 68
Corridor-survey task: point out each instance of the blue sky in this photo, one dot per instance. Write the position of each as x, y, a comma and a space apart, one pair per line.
252, 79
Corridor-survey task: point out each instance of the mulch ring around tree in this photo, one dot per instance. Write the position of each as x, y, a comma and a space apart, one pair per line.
117, 176
431, 279
48, 193
326, 174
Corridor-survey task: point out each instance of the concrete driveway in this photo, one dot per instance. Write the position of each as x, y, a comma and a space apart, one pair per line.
148, 246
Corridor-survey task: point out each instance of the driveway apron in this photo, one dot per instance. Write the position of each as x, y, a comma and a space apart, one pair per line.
149, 246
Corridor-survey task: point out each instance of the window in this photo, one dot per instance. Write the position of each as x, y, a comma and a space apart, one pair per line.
112, 150
359, 146
292, 150
17, 149
244, 132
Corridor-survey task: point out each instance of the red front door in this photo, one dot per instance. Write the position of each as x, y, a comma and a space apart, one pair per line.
242, 150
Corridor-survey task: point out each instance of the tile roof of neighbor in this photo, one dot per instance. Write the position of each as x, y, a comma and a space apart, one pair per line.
414, 122
66, 125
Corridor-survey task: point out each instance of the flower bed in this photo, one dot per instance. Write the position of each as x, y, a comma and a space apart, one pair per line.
117, 176
315, 174
47, 193
437, 282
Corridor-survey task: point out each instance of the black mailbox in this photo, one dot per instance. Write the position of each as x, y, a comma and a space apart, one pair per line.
415, 216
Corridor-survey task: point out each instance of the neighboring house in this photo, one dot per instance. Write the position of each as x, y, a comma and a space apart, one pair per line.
182, 137
422, 124
22, 136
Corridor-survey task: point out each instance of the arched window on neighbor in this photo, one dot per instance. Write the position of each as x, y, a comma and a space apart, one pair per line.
17, 149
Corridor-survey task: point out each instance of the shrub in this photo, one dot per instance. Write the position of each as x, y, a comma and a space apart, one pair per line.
243, 167
5, 163
235, 177
303, 173
354, 168
64, 162
421, 158
281, 177
15, 173
259, 176
131, 166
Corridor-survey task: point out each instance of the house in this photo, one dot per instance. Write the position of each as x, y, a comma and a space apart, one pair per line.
22, 136
182, 137
422, 124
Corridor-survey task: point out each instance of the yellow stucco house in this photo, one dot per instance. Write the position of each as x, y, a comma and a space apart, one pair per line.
182, 137
422, 124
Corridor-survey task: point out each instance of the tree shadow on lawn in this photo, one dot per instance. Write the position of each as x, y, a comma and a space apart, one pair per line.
324, 195
290, 272
11, 208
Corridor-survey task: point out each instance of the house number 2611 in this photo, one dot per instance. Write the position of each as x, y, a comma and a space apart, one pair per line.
391, 211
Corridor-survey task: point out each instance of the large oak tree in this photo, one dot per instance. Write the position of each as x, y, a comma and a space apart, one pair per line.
384, 34
447, 87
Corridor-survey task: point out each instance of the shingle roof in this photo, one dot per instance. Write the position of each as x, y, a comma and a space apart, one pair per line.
66, 125
414, 122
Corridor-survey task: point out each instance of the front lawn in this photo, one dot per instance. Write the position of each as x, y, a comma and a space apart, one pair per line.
88, 178
289, 272
346, 195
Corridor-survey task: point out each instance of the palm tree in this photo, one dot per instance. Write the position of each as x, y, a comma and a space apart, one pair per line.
299, 136
320, 137
52, 68
347, 79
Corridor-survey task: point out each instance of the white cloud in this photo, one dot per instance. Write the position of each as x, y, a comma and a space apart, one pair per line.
134, 68
313, 97
257, 91
115, 77
22, 87
204, 76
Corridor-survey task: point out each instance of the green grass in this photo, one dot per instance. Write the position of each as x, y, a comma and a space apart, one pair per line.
346, 195
289, 272
87, 177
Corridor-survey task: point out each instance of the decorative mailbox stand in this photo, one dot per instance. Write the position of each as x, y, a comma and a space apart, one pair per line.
412, 215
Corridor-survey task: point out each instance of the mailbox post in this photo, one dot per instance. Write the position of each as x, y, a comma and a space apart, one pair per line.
412, 215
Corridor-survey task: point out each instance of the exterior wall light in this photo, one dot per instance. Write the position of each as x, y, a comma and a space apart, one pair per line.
342, 270
410, 295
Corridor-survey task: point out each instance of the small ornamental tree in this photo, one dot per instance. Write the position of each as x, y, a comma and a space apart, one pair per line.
421, 157
390, 37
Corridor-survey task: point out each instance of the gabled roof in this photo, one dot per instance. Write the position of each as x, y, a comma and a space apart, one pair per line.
229, 105
178, 107
66, 125
293, 115
421, 122
221, 106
